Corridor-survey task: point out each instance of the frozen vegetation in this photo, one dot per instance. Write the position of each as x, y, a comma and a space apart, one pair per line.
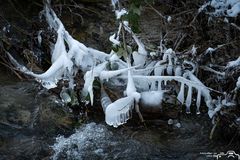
142, 77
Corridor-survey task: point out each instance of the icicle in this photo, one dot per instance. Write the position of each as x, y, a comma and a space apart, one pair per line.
158, 71
180, 96
89, 78
88, 85
198, 103
170, 66
130, 85
204, 91
178, 71
105, 100
189, 100
165, 82
118, 112
169, 69
132, 92
153, 85
159, 85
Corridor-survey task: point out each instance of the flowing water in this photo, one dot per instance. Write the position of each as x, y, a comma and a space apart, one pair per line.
97, 141
34, 125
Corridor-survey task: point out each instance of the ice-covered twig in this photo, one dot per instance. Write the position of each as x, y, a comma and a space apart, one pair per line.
228, 8
206, 68
233, 64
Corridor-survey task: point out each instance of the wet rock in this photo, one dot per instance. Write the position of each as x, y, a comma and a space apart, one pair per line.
25, 148
29, 120
16, 103
53, 117
178, 125
20, 117
170, 122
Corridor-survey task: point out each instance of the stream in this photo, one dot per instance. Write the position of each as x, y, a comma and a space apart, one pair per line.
35, 125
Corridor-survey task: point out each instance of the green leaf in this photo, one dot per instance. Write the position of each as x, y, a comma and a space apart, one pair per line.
129, 49
136, 10
115, 48
120, 52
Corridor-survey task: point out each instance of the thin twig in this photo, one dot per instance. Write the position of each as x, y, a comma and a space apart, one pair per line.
20, 13
155, 10
13, 70
236, 26
180, 41
206, 68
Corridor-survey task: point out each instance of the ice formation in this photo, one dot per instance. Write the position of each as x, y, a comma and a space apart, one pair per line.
228, 8
144, 79
152, 98
233, 64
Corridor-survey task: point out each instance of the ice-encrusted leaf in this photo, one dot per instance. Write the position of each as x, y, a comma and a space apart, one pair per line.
118, 112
